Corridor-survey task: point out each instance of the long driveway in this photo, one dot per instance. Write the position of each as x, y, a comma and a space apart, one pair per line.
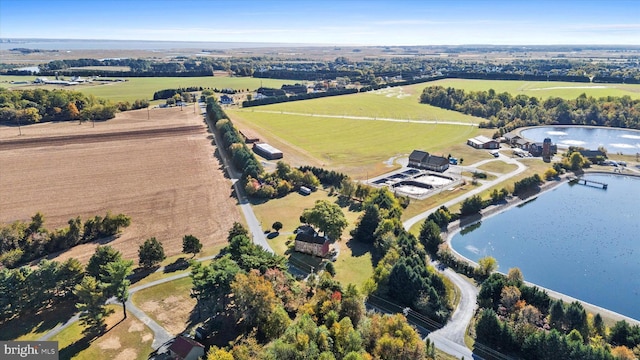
450, 338
254, 225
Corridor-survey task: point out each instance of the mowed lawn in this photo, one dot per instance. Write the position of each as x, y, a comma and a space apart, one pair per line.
129, 339
143, 88
348, 145
354, 262
400, 103
541, 89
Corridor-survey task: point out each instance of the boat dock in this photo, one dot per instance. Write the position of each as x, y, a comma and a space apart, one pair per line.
591, 183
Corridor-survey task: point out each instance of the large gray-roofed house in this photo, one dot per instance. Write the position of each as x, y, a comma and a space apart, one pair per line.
423, 160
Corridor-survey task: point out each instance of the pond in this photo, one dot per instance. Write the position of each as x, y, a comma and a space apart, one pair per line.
613, 139
578, 240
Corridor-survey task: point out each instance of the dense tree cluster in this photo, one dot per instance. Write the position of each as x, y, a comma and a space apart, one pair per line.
280, 182
508, 112
402, 274
522, 321
326, 177
284, 98
21, 241
527, 184
168, 93
40, 105
33, 289
243, 159
267, 314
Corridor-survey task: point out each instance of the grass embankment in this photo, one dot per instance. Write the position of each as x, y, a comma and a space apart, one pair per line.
542, 89
143, 88
125, 339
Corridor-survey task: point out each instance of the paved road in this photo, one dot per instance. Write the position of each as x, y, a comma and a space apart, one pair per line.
254, 225
450, 338
521, 167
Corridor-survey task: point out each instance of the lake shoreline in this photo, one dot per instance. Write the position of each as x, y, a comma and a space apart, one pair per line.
492, 210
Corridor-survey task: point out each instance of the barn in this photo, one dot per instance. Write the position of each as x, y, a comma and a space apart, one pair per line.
267, 151
483, 142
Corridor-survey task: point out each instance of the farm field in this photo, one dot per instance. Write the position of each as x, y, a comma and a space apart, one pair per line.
161, 172
143, 88
358, 148
401, 103
540, 89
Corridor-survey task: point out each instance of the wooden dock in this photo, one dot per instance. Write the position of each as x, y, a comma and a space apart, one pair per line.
591, 183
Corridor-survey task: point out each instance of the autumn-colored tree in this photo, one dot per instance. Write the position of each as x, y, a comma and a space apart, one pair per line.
256, 305
509, 296
72, 111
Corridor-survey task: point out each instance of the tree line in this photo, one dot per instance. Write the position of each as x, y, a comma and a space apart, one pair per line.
243, 159
168, 93
40, 105
508, 112
518, 320
402, 273
21, 241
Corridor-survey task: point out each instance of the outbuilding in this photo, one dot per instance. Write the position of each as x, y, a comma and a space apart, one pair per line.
267, 151
423, 160
483, 142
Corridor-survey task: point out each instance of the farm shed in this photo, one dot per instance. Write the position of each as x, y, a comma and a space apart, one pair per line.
483, 142
309, 242
267, 151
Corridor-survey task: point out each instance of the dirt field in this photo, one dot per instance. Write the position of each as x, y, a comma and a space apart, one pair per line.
160, 171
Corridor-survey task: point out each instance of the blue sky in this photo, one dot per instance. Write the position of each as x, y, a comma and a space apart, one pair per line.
330, 22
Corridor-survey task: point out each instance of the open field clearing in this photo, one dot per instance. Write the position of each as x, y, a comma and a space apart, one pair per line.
169, 304
358, 148
124, 340
541, 89
161, 172
499, 166
400, 103
143, 88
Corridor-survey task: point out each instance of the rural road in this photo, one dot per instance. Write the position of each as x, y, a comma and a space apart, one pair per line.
450, 338
255, 228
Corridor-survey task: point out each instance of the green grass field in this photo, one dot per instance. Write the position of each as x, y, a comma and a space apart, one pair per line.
393, 103
143, 88
351, 145
540, 89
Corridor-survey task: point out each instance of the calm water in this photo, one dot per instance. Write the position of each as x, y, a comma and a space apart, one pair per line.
577, 240
614, 140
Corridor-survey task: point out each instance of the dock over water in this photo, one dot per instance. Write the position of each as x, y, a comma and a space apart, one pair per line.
592, 183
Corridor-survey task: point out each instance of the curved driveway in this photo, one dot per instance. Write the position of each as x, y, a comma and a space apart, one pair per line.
450, 338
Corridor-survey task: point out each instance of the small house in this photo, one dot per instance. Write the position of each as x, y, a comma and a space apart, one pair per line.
309, 242
184, 348
226, 100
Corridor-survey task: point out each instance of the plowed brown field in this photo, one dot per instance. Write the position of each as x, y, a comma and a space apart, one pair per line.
160, 171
